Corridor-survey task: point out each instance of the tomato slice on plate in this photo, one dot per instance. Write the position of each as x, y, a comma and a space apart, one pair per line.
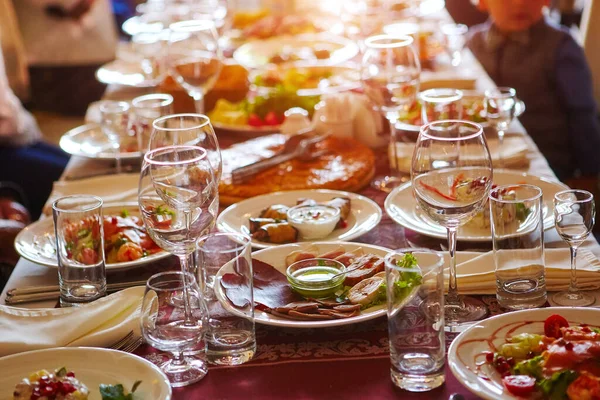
519, 385
552, 325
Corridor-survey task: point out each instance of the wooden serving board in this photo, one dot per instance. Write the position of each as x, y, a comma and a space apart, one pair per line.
348, 165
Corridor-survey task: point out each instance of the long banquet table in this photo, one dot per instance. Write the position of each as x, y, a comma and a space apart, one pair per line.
343, 362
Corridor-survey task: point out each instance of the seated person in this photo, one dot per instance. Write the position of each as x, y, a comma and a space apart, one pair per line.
548, 69
24, 158
13, 218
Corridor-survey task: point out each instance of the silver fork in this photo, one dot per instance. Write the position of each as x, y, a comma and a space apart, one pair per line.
127, 343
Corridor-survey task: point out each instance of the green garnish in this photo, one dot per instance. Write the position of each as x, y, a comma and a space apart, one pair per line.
61, 372
531, 367
555, 387
125, 213
83, 233
117, 392
521, 212
119, 242
321, 263
408, 280
163, 210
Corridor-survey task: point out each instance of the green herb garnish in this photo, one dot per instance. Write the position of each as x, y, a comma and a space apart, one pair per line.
521, 212
61, 372
125, 213
117, 392
163, 210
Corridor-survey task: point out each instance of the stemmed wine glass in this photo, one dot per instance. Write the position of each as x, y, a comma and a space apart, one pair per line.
500, 104
451, 175
390, 78
166, 328
574, 215
194, 57
188, 129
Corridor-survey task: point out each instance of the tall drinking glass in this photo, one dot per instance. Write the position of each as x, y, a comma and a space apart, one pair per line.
115, 124
390, 78
500, 104
166, 327
451, 176
146, 109
518, 239
188, 129
439, 104
178, 202
226, 267
415, 299
194, 57
79, 249
574, 216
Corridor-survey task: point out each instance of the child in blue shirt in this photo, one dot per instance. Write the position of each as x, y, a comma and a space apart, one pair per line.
545, 65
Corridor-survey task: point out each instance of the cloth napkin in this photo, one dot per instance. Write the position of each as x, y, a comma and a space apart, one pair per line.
98, 324
475, 271
515, 153
119, 188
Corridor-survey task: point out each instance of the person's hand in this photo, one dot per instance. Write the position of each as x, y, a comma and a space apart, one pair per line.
11, 210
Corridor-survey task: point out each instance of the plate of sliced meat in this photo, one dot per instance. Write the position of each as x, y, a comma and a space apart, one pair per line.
359, 298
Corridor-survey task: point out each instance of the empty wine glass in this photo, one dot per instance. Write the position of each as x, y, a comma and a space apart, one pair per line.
115, 123
574, 216
451, 175
151, 46
390, 78
188, 129
439, 104
166, 327
194, 57
500, 104
455, 38
146, 109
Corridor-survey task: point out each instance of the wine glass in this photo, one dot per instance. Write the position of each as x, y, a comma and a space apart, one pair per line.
451, 175
194, 57
390, 78
165, 327
115, 123
439, 104
574, 215
500, 104
150, 45
455, 38
188, 129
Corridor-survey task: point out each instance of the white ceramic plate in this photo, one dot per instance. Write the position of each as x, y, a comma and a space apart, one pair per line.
89, 141
92, 366
276, 258
402, 207
125, 73
257, 53
365, 214
37, 243
467, 348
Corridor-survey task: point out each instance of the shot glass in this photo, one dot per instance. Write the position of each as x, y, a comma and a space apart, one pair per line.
79, 249
115, 124
145, 110
518, 239
415, 300
225, 269
440, 104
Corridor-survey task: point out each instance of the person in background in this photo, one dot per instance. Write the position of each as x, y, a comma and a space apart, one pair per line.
65, 42
548, 69
13, 218
24, 158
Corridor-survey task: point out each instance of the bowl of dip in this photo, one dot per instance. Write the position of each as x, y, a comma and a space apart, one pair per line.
316, 278
314, 221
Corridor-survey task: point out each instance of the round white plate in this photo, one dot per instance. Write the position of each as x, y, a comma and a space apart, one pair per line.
276, 258
37, 243
125, 73
92, 366
402, 207
89, 141
257, 53
365, 214
473, 341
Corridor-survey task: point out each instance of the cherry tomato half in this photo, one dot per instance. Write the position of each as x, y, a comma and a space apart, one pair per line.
552, 325
519, 385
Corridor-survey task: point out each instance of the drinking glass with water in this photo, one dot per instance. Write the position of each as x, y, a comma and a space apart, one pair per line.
415, 299
516, 213
79, 249
225, 261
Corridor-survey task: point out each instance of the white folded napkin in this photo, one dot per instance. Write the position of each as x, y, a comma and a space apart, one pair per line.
97, 324
475, 271
119, 188
515, 153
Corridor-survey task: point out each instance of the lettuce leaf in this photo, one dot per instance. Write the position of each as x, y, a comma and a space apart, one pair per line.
555, 387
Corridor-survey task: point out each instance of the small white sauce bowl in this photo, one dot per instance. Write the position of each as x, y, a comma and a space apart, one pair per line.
313, 221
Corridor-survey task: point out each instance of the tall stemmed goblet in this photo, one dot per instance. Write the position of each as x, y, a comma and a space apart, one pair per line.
188, 129
178, 201
390, 78
166, 328
451, 175
150, 46
500, 104
194, 57
115, 123
574, 215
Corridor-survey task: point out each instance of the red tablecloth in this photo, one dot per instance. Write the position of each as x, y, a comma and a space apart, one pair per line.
347, 362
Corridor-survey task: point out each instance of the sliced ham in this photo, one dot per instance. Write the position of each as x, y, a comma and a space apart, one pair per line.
366, 267
300, 306
349, 257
